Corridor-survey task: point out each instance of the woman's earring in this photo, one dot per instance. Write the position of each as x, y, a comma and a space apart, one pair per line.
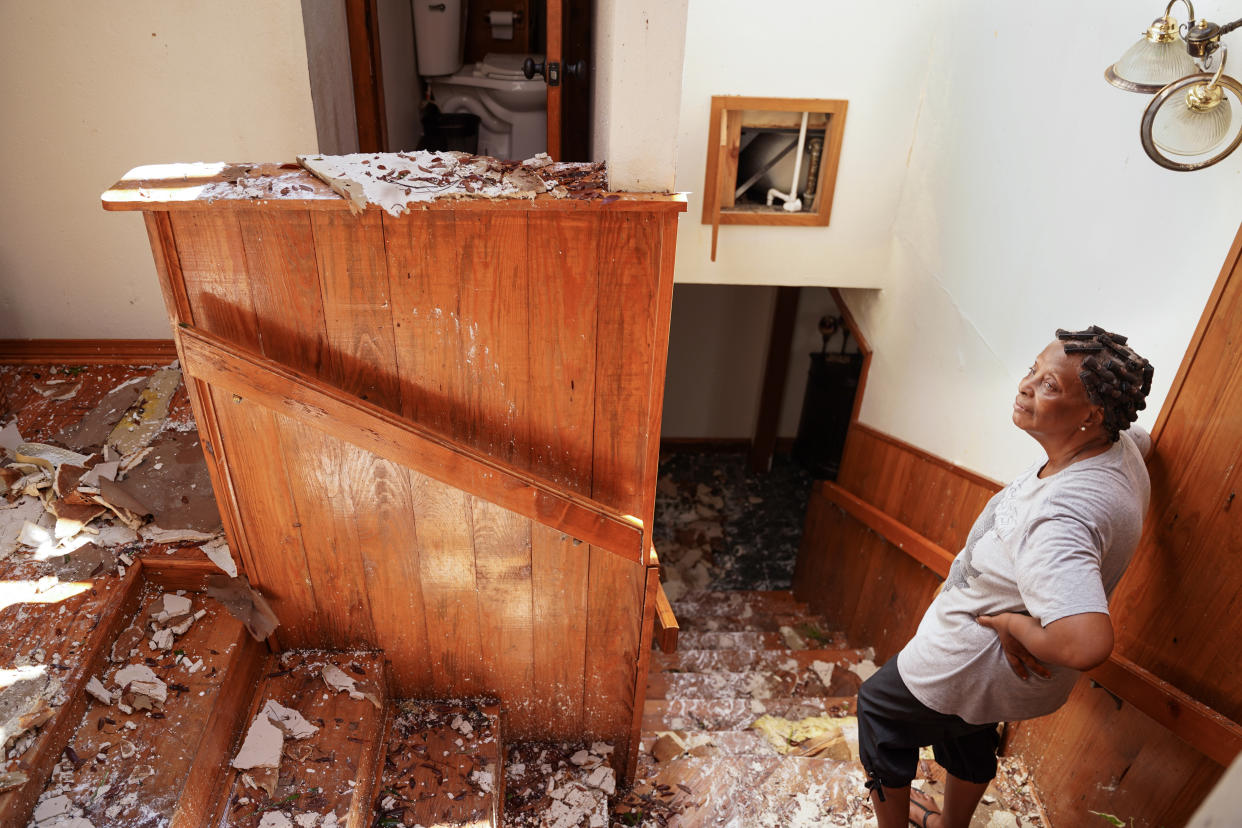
1084, 428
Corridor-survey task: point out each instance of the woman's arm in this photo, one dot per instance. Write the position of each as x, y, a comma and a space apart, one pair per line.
1080, 641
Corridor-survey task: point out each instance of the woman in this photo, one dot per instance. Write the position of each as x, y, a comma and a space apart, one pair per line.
1025, 606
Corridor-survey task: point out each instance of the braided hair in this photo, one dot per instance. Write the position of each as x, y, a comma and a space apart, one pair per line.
1114, 376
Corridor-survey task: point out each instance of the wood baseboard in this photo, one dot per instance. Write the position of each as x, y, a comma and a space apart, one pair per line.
86, 351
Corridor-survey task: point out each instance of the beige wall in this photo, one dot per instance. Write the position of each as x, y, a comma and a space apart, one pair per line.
91, 90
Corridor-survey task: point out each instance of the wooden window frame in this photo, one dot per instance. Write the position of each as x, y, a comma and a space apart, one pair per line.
730, 108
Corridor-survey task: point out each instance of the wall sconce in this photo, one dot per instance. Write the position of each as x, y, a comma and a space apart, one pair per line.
1191, 114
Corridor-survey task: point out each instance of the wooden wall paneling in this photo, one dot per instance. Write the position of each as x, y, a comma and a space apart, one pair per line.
212, 258
647, 631
625, 344
353, 273
1187, 557
894, 596
1096, 755
444, 523
423, 273
616, 594
562, 393
175, 287
495, 335
559, 573
284, 286
659, 366
505, 601
333, 493
272, 556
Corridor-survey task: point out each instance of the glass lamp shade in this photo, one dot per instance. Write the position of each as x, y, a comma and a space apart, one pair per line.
1149, 65
1182, 129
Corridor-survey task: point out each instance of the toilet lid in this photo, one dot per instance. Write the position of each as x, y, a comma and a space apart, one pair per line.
506, 67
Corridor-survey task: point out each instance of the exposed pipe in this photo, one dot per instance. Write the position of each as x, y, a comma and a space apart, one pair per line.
793, 204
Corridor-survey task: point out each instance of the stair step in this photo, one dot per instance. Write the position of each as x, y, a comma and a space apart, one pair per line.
332, 771
558, 784
694, 640
806, 791
704, 743
442, 765
809, 626
735, 714
72, 626
750, 684
162, 766
736, 603
692, 792
686, 660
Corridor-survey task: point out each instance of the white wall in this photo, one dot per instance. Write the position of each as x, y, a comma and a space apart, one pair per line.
402, 87
638, 57
1030, 205
90, 90
808, 49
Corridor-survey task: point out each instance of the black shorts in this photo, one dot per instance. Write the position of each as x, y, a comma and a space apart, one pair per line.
893, 725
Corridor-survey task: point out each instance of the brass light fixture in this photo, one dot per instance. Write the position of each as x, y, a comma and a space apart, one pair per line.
1190, 114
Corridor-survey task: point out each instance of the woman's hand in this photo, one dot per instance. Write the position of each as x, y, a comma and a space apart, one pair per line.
1020, 659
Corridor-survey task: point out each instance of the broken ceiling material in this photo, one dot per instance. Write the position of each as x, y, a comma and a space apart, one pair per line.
89, 433
49, 457
57, 390
28, 695
395, 180
217, 550
245, 604
173, 486
336, 679
10, 439
264, 743
86, 562
145, 418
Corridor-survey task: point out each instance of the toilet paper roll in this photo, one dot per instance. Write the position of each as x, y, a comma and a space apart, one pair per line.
501, 23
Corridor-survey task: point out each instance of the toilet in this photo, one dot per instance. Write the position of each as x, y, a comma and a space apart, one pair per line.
512, 110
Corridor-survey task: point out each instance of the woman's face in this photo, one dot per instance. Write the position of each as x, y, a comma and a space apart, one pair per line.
1051, 401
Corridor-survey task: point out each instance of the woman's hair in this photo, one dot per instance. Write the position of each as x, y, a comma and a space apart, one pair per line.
1116, 379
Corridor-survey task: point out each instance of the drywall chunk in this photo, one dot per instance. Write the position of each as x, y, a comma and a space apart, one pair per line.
823, 669
155, 534
51, 808
145, 418
667, 748
174, 606
864, 669
13, 520
341, 683
290, 721
25, 696
262, 746
217, 549
184, 626
49, 457
161, 640
96, 688
10, 439
275, 819
134, 672
244, 604
603, 778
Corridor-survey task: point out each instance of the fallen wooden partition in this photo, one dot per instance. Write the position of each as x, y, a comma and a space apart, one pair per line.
435, 434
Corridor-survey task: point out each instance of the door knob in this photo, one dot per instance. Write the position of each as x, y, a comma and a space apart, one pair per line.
530, 68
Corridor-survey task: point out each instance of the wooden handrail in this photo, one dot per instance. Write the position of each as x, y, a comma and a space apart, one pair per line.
666, 626
332, 411
1211, 733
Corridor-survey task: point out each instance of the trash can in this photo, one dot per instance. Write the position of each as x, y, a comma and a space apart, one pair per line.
830, 388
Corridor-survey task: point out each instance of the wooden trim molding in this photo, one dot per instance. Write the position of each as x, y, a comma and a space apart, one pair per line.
86, 351
1207, 731
317, 404
934, 557
935, 460
864, 348
666, 622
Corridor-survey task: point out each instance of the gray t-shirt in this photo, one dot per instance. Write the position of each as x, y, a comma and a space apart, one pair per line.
1049, 548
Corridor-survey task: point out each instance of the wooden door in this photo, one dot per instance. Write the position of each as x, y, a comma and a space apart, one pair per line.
569, 37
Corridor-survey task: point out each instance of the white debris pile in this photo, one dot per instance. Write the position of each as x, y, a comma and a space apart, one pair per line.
396, 180
58, 811
29, 696
559, 787
64, 506
695, 527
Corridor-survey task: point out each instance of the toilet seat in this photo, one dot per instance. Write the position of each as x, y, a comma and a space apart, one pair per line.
504, 66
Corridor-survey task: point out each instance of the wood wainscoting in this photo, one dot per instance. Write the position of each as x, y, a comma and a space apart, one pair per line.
86, 351
1175, 612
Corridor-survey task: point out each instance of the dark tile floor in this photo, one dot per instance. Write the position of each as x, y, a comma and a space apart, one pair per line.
761, 515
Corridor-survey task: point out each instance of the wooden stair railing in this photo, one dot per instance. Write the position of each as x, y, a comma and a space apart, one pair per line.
367, 426
1211, 733
666, 626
